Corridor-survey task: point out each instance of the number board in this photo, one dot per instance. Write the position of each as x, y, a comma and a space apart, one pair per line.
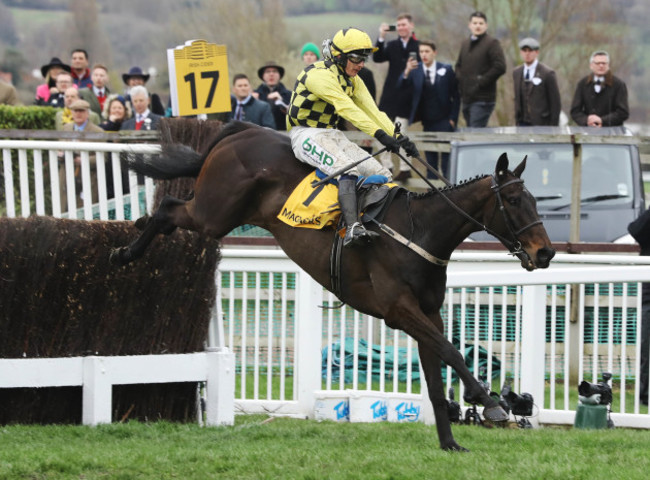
198, 78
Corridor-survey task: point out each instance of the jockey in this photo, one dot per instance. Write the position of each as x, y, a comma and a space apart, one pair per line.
329, 91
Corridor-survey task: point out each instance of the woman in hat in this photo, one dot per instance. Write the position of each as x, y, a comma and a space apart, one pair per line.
49, 71
274, 92
136, 76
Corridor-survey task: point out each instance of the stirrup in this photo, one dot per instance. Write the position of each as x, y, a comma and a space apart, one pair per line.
357, 234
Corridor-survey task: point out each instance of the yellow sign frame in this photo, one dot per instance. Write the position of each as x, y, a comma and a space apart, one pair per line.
198, 78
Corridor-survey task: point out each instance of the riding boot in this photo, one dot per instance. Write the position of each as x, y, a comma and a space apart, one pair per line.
356, 233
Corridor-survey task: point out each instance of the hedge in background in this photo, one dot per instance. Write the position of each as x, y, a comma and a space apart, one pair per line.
60, 296
27, 118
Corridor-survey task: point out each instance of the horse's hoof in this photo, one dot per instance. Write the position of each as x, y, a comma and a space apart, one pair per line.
453, 447
495, 414
116, 257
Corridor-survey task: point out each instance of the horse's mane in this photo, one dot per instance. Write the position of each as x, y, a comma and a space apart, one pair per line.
452, 188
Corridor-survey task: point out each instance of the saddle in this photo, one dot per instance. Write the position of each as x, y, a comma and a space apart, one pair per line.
318, 208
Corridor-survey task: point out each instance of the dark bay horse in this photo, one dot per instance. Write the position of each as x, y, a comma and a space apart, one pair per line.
246, 176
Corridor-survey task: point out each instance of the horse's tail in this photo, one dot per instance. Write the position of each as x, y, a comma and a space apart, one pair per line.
178, 160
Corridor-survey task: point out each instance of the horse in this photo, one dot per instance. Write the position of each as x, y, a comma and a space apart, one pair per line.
246, 175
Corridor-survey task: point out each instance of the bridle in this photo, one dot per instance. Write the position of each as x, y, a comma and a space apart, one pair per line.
513, 245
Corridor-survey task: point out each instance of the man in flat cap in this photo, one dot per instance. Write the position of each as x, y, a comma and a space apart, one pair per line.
80, 123
537, 95
274, 92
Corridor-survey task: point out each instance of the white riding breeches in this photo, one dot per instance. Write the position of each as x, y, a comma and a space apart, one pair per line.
330, 150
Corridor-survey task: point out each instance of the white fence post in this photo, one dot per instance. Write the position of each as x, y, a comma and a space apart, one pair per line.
220, 388
97, 392
533, 343
309, 324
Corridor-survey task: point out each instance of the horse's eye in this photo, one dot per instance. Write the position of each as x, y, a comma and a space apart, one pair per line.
514, 201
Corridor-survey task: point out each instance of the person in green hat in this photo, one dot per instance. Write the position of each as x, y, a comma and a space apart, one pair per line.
309, 53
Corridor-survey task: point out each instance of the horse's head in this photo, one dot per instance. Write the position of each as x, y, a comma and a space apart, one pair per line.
515, 221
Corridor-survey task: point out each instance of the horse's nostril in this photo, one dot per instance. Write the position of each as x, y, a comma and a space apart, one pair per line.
544, 255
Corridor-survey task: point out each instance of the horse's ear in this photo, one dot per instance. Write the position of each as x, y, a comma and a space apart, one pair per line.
502, 165
520, 168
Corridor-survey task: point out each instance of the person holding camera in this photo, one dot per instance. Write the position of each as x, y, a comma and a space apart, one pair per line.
325, 93
435, 100
395, 102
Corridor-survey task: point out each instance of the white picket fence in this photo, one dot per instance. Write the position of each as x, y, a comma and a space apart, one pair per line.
283, 339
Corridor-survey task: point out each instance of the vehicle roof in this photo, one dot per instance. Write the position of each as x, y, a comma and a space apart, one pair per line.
568, 130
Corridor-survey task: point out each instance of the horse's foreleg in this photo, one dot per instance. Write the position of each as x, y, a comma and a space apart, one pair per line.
164, 221
431, 339
432, 372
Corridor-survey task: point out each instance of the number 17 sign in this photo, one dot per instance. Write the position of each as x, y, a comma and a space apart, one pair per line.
198, 78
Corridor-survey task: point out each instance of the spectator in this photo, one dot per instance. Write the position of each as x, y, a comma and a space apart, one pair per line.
537, 95
325, 92
640, 230
396, 102
64, 116
274, 92
63, 82
435, 99
116, 111
80, 123
600, 99
8, 94
245, 107
480, 64
136, 76
143, 118
96, 94
309, 53
80, 71
49, 71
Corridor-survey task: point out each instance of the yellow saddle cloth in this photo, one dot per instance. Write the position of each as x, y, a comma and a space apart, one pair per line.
309, 207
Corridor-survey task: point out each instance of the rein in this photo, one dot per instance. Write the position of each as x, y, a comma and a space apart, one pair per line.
514, 245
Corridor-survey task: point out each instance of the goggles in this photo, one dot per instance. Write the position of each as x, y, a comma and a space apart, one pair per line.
357, 58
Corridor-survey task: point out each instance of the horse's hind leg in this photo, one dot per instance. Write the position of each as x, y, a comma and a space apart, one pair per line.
171, 214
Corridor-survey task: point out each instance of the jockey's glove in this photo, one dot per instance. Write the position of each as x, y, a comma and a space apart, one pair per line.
408, 146
391, 143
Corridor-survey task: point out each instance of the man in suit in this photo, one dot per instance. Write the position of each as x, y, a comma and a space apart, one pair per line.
8, 94
537, 95
273, 92
97, 93
395, 102
435, 99
600, 99
80, 123
143, 118
247, 108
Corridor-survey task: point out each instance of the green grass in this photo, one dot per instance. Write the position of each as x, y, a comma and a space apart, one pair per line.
260, 448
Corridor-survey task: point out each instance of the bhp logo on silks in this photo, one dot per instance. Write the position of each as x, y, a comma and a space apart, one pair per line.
316, 154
